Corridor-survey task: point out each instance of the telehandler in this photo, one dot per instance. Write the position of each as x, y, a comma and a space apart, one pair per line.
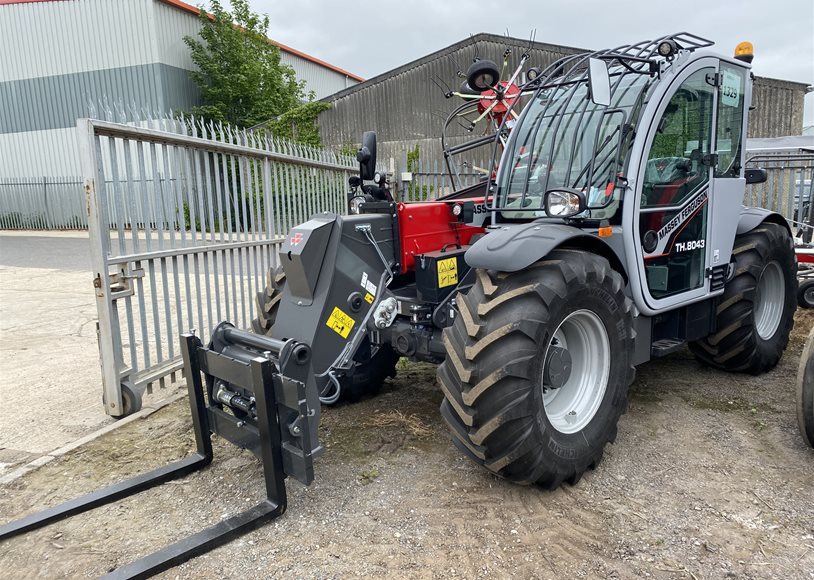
612, 232
608, 230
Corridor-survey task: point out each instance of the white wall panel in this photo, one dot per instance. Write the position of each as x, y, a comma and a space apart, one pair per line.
41, 39
39, 153
323, 81
170, 27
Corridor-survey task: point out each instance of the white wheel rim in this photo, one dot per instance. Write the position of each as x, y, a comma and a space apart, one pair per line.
572, 406
769, 300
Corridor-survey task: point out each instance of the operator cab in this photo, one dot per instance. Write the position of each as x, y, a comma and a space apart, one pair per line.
645, 140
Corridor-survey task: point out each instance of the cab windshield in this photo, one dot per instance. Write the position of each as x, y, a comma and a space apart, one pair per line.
564, 140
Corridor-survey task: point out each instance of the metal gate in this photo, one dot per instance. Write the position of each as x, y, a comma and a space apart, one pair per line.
788, 189
184, 225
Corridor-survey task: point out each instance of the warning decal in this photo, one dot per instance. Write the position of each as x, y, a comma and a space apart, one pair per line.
447, 272
369, 298
340, 322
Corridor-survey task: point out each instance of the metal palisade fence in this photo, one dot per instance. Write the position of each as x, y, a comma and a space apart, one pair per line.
52, 203
427, 179
184, 225
42, 203
788, 189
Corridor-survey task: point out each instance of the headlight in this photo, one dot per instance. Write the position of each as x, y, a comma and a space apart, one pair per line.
356, 203
564, 202
667, 48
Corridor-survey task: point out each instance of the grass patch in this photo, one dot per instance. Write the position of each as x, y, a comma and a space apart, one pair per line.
412, 423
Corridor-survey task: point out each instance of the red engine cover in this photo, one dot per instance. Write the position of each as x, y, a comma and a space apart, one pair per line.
427, 227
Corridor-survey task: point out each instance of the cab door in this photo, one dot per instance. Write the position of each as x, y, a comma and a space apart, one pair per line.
673, 217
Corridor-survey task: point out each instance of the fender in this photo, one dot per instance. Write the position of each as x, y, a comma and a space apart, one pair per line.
752, 217
514, 247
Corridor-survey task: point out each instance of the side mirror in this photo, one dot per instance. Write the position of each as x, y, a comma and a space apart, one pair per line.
366, 156
599, 82
755, 176
564, 202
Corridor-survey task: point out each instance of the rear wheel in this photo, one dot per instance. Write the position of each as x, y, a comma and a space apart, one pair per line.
373, 364
538, 366
756, 312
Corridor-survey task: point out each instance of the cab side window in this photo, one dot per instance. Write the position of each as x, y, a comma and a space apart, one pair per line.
675, 165
729, 132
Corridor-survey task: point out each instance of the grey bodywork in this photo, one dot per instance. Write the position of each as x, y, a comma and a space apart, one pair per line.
326, 260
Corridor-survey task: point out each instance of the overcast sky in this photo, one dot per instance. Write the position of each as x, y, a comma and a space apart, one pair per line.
368, 37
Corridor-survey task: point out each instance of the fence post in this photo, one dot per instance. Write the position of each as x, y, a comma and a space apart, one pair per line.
45, 202
98, 230
807, 235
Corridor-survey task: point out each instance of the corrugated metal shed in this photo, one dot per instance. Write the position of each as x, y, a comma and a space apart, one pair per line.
778, 108
64, 60
405, 105
61, 60
321, 77
406, 109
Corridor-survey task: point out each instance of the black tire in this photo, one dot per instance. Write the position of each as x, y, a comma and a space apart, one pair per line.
467, 90
492, 376
371, 369
737, 346
805, 294
482, 75
131, 401
805, 391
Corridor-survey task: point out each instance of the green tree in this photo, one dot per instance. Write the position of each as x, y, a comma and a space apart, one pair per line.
240, 75
300, 124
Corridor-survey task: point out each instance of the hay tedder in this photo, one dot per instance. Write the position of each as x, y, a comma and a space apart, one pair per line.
609, 230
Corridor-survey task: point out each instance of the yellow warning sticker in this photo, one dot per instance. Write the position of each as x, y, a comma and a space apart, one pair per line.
340, 322
369, 298
447, 272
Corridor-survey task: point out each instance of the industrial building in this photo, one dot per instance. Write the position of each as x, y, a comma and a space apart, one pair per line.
121, 60
407, 108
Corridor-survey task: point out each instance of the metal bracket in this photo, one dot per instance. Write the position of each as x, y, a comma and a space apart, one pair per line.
120, 286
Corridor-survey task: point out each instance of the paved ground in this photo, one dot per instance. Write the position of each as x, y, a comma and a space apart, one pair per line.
50, 382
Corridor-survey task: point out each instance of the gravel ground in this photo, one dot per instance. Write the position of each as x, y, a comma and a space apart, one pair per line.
709, 478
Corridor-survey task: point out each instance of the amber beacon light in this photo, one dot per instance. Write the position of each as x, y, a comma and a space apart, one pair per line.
745, 52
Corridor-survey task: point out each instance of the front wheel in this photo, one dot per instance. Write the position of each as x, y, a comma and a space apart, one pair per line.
538, 367
756, 311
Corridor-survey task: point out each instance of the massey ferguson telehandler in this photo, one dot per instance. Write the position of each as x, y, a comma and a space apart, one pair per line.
608, 230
